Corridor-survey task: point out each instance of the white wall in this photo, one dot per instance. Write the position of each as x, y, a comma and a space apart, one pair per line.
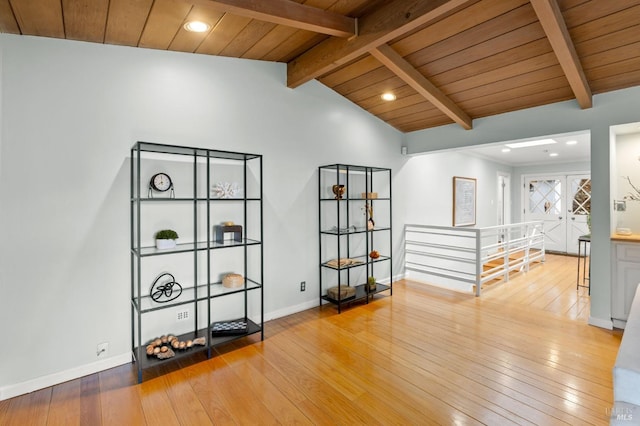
627, 163
428, 180
609, 109
71, 112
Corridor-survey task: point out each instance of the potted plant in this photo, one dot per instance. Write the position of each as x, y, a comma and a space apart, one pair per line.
166, 239
371, 284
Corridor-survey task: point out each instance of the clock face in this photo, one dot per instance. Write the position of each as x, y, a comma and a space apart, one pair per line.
161, 182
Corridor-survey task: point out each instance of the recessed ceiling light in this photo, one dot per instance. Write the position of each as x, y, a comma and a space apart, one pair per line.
506, 149
553, 154
197, 26
531, 143
572, 142
388, 96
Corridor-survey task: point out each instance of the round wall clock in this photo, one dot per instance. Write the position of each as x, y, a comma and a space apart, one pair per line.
160, 182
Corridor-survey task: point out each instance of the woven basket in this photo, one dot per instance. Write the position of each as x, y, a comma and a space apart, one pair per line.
344, 291
233, 280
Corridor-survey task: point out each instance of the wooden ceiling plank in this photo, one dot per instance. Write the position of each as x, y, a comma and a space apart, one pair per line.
289, 13
165, 20
188, 41
247, 38
523, 82
126, 21
609, 41
304, 41
365, 80
349, 72
85, 19
39, 17
272, 45
396, 63
389, 21
228, 27
472, 18
503, 73
422, 110
491, 63
605, 25
8, 23
465, 56
511, 103
266, 44
406, 96
401, 102
423, 121
516, 27
611, 56
616, 82
390, 85
554, 26
613, 69
594, 10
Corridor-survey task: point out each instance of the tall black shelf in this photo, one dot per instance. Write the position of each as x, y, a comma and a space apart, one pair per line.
198, 256
344, 234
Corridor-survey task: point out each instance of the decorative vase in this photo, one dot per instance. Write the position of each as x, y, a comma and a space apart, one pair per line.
338, 190
165, 244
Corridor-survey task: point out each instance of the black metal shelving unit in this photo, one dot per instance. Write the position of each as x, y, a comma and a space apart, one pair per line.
344, 233
197, 169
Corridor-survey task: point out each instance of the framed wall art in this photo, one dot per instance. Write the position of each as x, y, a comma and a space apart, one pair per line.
464, 201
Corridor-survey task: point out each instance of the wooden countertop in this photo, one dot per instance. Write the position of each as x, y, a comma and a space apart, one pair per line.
633, 238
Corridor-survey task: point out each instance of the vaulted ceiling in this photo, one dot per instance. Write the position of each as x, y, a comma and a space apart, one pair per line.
446, 61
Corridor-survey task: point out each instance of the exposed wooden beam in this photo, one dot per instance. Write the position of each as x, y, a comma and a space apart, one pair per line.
554, 26
289, 13
391, 20
403, 69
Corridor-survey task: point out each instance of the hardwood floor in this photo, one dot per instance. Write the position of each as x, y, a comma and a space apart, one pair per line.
520, 354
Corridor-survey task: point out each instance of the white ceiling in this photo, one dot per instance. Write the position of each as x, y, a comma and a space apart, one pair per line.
536, 155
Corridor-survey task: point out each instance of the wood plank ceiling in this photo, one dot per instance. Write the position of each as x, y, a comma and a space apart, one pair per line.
446, 61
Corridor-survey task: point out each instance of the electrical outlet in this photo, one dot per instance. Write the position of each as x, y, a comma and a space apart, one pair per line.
182, 315
303, 285
102, 350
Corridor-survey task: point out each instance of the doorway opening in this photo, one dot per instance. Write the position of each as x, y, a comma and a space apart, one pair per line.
563, 203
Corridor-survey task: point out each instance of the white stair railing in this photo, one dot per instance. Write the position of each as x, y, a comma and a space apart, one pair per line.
461, 258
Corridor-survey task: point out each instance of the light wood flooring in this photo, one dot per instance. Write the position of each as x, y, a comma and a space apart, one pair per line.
520, 354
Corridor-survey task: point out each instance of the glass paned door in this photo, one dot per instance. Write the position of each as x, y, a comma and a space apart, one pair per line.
545, 201
579, 209
563, 203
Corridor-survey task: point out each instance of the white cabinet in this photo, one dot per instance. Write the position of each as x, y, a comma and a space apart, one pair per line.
626, 276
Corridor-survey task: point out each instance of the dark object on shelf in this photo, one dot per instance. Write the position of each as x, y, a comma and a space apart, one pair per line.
220, 230
342, 292
338, 190
160, 182
163, 293
227, 328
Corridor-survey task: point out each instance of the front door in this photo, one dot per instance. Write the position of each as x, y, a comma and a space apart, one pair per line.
562, 202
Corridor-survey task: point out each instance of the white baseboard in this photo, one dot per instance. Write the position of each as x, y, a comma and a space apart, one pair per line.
17, 389
38, 383
619, 324
602, 323
289, 310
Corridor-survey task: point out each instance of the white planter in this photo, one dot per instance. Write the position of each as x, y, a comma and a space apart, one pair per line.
165, 244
